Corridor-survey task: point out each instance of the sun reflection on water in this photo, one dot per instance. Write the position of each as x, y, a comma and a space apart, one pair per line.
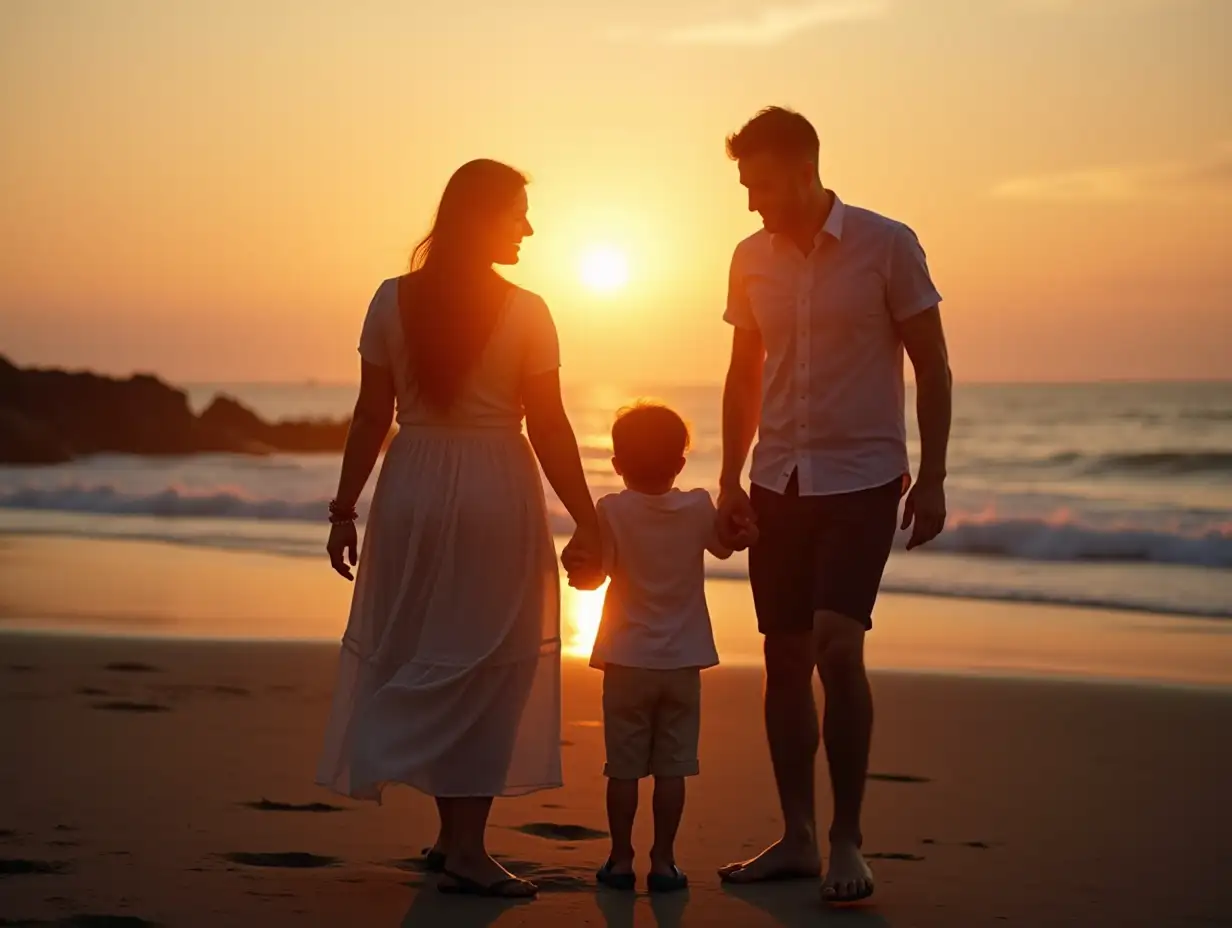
580, 616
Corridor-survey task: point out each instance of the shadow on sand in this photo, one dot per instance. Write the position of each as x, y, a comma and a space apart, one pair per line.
617, 908
432, 909
799, 905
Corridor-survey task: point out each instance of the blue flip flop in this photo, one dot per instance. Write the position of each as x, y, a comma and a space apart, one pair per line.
667, 882
625, 882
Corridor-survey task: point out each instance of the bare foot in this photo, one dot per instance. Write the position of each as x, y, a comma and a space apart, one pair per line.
780, 861
487, 872
848, 879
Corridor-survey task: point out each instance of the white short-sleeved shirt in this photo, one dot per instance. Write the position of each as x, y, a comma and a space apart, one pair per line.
523, 343
832, 390
655, 614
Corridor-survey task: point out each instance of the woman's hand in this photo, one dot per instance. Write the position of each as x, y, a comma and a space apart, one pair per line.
583, 558
343, 545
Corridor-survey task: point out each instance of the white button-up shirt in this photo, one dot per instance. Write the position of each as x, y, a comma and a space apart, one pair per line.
832, 390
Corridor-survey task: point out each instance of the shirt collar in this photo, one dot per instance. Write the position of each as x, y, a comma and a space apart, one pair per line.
832, 227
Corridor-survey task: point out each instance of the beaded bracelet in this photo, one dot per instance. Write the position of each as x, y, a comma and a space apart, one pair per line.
340, 515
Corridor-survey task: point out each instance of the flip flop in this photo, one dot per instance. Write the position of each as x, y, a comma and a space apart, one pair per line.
667, 882
508, 888
433, 861
625, 882
780, 875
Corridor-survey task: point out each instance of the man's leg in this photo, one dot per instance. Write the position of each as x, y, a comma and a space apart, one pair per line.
847, 729
791, 728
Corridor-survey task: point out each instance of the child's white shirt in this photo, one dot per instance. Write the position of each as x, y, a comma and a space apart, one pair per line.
655, 614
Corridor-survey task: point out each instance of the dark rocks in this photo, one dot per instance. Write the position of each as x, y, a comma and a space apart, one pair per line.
52, 416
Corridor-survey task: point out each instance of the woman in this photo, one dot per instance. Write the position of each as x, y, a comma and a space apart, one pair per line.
449, 678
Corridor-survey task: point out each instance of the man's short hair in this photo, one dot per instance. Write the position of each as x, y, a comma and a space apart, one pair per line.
776, 130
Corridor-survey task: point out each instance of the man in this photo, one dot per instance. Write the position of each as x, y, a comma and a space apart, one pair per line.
823, 300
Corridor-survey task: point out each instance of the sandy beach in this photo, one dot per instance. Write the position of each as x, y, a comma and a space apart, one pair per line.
170, 782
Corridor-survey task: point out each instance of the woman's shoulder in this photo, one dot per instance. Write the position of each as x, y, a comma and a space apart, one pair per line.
385, 299
524, 300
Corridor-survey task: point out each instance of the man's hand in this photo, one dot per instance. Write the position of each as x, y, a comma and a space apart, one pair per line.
737, 522
925, 507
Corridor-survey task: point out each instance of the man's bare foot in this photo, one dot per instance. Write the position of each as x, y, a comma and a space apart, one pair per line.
848, 879
780, 861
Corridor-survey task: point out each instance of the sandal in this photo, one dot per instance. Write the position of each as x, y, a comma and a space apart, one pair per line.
625, 882
508, 888
667, 882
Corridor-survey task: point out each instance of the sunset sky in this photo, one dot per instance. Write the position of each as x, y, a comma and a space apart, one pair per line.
212, 190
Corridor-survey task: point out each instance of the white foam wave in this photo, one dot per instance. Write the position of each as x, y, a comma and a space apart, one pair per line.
1058, 538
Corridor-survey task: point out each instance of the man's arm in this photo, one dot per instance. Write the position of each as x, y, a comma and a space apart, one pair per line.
741, 402
741, 411
924, 339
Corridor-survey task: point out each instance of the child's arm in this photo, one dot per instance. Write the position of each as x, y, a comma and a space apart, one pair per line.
711, 531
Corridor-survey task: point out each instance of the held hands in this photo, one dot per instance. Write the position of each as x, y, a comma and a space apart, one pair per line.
925, 507
343, 546
736, 521
583, 558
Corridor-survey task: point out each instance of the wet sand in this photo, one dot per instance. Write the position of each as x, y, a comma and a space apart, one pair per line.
170, 782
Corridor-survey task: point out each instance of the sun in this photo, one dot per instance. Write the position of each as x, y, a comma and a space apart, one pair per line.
604, 268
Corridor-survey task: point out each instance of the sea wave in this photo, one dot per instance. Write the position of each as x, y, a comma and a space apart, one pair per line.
1060, 539
1163, 463
1057, 537
170, 502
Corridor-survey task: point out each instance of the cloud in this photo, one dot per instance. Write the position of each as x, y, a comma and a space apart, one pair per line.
1203, 175
774, 25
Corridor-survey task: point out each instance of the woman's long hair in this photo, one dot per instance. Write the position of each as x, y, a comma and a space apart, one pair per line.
451, 300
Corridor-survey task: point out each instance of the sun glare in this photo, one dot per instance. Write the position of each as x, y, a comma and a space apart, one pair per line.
582, 612
604, 269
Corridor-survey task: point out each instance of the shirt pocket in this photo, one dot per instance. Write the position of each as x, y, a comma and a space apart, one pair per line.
851, 302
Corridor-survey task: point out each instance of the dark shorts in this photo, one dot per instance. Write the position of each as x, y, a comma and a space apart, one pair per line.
820, 553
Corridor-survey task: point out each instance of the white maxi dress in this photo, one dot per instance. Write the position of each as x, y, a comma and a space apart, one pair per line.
449, 675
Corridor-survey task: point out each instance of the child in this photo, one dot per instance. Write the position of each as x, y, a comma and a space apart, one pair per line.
655, 635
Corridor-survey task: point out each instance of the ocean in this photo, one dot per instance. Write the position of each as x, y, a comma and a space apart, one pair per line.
1116, 496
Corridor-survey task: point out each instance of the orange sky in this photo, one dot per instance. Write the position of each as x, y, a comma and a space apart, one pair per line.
213, 190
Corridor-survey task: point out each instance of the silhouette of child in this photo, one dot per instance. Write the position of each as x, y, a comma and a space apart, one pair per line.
655, 637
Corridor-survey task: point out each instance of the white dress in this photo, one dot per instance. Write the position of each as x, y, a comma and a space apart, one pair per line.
449, 676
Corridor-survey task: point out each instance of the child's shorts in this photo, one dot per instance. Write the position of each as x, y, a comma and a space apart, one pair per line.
651, 721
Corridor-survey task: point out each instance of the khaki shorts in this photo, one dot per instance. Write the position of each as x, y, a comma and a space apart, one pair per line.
651, 721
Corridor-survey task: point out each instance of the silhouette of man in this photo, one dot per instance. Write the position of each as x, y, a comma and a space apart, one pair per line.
823, 301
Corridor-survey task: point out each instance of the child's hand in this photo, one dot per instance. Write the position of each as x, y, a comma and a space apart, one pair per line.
746, 537
586, 578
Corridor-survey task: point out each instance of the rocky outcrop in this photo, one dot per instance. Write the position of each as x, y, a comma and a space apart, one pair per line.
51, 416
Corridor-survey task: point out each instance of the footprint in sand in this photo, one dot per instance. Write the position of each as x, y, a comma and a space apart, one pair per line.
17, 866
298, 860
132, 667
893, 855
898, 778
553, 831
124, 705
269, 805
92, 921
